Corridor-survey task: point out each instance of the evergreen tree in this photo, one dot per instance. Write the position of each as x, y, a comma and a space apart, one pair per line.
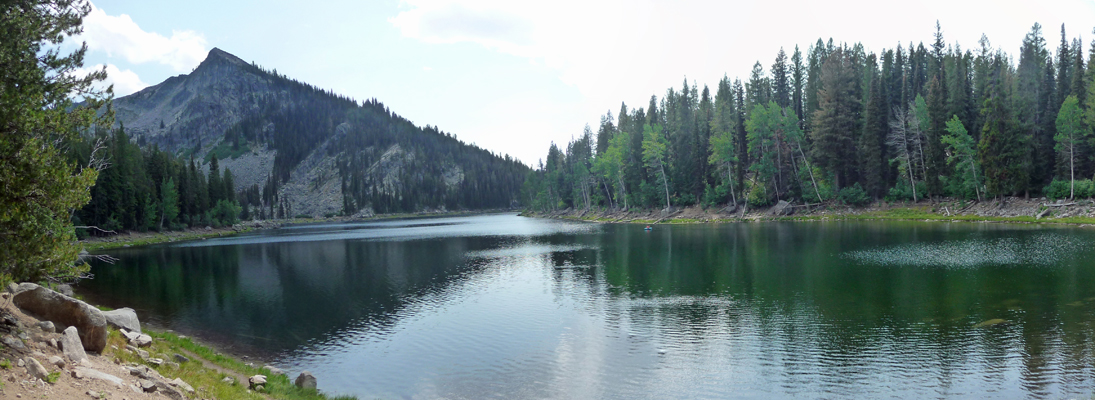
1002, 149
781, 80
798, 83
936, 159
872, 140
170, 203
1064, 67
757, 90
216, 185
962, 157
39, 186
834, 121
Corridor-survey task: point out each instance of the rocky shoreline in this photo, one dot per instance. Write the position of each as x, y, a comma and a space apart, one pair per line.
1006, 210
59, 347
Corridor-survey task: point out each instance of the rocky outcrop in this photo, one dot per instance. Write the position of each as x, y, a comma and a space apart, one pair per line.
123, 318
64, 311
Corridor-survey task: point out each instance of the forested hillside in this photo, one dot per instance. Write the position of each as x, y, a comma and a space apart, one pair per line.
841, 123
234, 140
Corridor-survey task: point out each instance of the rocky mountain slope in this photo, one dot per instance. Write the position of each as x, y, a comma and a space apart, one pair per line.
309, 151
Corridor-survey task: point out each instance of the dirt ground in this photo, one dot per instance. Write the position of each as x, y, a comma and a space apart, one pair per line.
17, 383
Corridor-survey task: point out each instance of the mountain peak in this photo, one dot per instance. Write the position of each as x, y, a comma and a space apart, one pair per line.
220, 56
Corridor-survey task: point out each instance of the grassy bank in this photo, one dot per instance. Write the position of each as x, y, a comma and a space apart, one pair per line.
207, 369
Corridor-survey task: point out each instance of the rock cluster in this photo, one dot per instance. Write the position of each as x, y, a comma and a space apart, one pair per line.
64, 311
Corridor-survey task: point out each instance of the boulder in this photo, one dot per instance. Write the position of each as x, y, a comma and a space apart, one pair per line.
35, 368
47, 327
57, 361
123, 318
257, 380
71, 346
181, 358
64, 311
781, 208
306, 380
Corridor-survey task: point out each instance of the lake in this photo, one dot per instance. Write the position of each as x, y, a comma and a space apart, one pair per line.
506, 307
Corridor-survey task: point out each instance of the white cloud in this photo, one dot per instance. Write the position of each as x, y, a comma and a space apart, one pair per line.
125, 81
119, 35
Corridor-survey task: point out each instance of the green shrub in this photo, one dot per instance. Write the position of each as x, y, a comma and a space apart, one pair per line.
225, 212
1057, 189
854, 195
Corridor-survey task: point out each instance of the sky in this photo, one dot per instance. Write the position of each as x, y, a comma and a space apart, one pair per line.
514, 76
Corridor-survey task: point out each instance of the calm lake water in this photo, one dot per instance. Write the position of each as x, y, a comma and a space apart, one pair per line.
507, 307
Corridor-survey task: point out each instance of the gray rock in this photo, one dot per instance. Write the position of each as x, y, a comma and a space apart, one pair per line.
172, 364
53, 343
47, 326
147, 386
142, 340
84, 372
181, 358
182, 385
71, 346
229, 380
65, 311
94, 394
123, 318
13, 343
155, 361
12, 287
274, 370
781, 208
57, 361
142, 354
35, 368
257, 380
306, 380
66, 290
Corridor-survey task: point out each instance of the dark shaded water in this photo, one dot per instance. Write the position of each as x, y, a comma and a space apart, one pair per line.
502, 306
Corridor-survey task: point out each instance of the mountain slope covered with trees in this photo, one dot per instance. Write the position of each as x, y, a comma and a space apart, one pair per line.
234, 140
841, 123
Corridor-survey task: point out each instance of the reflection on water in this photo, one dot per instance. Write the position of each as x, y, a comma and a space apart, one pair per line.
509, 307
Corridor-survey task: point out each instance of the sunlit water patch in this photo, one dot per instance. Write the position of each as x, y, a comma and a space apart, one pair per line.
1042, 249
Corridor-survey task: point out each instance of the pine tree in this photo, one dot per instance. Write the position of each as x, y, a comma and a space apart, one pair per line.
798, 83
871, 143
1064, 67
834, 121
757, 90
39, 186
781, 80
1003, 149
937, 114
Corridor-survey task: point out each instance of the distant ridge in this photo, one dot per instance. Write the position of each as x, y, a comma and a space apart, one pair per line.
310, 150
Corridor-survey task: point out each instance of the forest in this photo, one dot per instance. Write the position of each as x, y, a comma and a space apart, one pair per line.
842, 124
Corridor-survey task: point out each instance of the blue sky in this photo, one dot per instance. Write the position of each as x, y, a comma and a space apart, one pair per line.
514, 76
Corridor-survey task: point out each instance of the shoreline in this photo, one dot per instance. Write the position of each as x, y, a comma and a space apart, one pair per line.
131, 239
1009, 211
167, 365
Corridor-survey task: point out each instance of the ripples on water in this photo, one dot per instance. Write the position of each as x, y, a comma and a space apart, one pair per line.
1043, 249
502, 307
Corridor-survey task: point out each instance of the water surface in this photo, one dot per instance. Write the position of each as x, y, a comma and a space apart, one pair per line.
501, 306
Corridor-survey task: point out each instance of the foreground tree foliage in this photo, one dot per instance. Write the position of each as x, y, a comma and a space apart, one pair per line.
39, 185
840, 123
